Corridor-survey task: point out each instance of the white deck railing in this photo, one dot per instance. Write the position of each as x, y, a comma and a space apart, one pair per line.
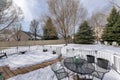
14, 50
116, 64
114, 59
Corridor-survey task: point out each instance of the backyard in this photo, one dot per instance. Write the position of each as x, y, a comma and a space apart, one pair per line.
35, 56
59, 39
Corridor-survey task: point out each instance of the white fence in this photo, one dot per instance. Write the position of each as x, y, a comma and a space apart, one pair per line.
14, 50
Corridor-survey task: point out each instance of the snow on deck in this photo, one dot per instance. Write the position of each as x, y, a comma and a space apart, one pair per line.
27, 59
40, 74
47, 74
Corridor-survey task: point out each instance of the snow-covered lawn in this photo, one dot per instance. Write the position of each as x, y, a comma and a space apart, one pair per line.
27, 59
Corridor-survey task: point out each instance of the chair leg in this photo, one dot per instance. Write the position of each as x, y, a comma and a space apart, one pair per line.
68, 77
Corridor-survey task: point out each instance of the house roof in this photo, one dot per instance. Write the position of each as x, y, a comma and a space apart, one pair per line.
31, 35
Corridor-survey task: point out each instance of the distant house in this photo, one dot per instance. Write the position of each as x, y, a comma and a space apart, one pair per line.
23, 36
5, 35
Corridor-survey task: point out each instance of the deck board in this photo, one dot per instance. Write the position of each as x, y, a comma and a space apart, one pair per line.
7, 73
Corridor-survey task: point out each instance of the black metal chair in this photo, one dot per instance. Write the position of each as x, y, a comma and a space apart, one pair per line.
90, 59
59, 71
103, 63
102, 67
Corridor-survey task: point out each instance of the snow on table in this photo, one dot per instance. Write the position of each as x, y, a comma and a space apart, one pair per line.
27, 59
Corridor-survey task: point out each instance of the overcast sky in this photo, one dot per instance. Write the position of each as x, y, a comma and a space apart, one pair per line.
34, 8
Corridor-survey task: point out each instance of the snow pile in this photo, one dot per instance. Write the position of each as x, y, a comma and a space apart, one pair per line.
27, 59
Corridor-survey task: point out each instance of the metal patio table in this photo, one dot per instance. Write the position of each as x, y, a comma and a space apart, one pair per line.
82, 67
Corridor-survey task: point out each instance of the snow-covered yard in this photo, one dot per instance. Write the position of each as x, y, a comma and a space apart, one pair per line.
35, 55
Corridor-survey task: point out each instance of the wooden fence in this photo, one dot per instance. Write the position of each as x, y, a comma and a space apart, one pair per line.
30, 43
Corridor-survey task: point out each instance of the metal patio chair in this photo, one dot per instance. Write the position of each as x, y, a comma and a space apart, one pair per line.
90, 59
59, 71
102, 67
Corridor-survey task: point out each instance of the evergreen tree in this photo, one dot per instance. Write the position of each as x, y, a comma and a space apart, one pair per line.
49, 31
116, 31
84, 34
110, 32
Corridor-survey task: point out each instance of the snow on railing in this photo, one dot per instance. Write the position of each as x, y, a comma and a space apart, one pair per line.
82, 53
116, 64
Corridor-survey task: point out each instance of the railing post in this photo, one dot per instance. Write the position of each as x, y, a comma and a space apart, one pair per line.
96, 52
116, 63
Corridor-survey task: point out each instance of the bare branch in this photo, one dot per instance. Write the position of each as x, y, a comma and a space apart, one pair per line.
114, 3
34, 28
9, 14
17, 29
98, 21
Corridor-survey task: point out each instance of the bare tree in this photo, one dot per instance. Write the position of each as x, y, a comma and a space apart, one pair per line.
34, 28
9, 14
114, 3
98, 21
66, 15
17, 29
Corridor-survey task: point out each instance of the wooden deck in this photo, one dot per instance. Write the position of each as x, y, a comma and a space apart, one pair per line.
7, 73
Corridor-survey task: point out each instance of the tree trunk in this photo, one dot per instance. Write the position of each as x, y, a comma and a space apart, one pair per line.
66, 41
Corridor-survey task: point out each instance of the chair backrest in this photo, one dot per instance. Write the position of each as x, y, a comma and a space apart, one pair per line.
59, 71
102, 67
90, 59
102, 63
